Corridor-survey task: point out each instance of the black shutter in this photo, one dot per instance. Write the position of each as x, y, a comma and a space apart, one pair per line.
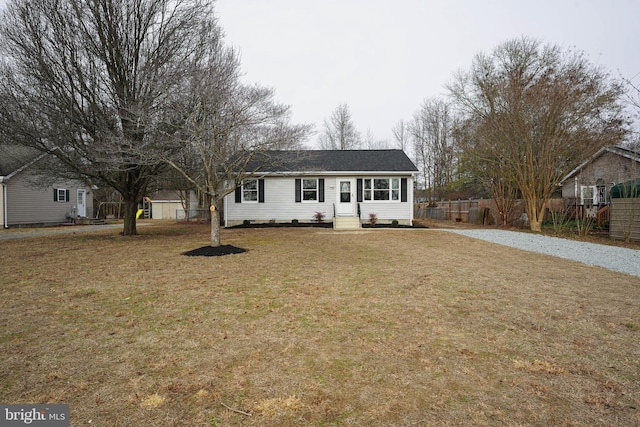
321, 190
239, 194
261, 191
298, 190
403, 190
55, 194
66, 193
359, 189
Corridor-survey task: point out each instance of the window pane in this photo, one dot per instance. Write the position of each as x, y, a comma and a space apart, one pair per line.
309, 195
395, 184
367, 194
380, 184
395, 194
250, 196
250, 191
367, 184
309, 184
381, 194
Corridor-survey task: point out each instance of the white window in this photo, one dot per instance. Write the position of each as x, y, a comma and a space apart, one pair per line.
588, 195
309, 190
250, 191
60, 195
381, 189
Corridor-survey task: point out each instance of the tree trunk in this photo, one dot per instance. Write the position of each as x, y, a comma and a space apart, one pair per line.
535, 214
536, 225
130, 211
215, 227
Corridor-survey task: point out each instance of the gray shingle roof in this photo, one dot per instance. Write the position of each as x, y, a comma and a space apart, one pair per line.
13, 157
332, 161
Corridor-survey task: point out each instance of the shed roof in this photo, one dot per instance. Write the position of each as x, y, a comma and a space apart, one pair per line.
332, 161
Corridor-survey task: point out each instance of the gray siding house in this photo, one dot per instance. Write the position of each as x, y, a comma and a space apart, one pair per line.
346, 186
26, 199
589, 184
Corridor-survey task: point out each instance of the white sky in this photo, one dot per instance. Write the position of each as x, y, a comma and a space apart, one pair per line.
384, 57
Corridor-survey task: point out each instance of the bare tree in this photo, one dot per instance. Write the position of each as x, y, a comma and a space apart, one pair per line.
632, 98
401, 135
544, 108
431, 131
222, 125
371, 143
484, 160
339, 131
93, 78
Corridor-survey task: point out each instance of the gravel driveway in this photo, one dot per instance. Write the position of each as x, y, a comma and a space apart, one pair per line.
609, 257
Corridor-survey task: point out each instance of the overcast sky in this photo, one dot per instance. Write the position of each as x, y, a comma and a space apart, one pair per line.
383, 58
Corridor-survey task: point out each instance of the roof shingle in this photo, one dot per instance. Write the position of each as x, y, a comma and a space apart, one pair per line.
332, 161
13, 157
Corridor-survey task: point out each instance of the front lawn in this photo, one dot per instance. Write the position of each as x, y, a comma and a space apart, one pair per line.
315, 327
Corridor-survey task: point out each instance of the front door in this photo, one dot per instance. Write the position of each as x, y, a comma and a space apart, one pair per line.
345, 204
82, 203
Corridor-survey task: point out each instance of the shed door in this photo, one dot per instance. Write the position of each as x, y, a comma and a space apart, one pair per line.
345, 203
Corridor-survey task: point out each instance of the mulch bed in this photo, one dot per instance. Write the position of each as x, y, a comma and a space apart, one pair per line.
320, 225
285, 224
215, 251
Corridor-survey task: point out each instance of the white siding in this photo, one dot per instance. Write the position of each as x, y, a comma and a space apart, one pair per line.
165, 209
280, 205
388, 211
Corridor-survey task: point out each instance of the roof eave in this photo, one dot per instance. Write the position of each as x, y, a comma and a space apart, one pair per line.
333, 173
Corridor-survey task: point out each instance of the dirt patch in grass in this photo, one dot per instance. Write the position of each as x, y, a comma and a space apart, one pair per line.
315, 327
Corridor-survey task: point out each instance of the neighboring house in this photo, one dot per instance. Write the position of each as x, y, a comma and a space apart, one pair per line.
345, 186
589, 184
24, 201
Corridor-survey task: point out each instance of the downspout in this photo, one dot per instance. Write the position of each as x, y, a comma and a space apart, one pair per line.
4, 204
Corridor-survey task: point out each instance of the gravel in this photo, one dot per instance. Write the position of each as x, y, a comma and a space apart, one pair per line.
610, 257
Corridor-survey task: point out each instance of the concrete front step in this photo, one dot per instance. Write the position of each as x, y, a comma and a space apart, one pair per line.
346, 223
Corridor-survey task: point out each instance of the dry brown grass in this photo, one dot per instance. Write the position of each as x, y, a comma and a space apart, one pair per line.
315, 327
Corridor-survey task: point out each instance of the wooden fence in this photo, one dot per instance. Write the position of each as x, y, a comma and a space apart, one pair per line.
625, 219
473, 210
476, 211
